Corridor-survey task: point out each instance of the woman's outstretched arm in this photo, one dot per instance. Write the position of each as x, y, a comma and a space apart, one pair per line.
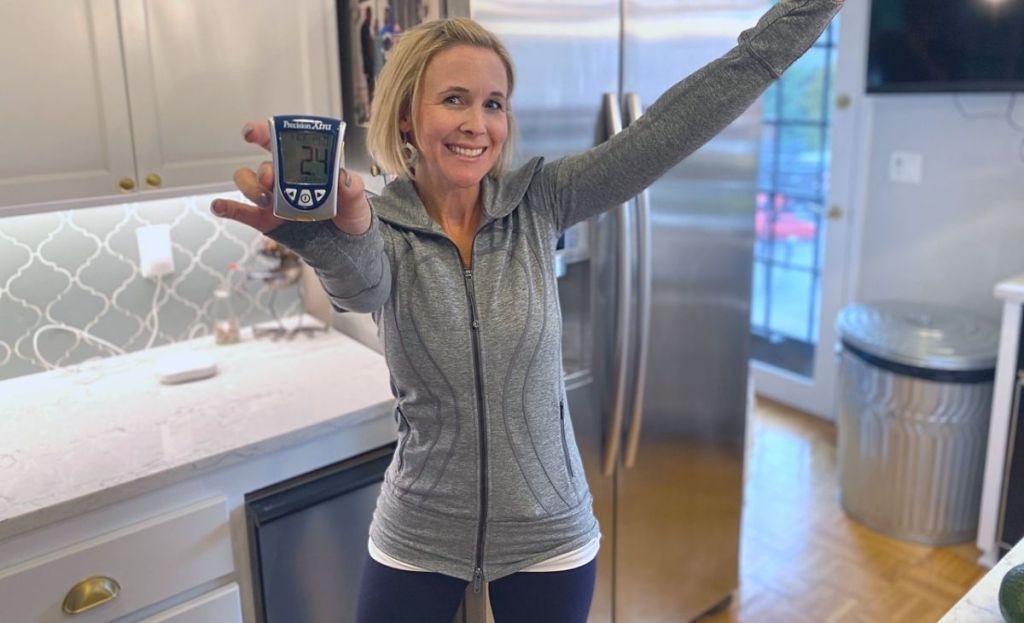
686, 116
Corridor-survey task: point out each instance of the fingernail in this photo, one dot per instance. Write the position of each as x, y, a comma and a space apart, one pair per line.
247, 130
217, 208
264, 199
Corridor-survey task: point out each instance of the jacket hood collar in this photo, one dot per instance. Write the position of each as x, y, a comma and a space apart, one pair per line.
400, 205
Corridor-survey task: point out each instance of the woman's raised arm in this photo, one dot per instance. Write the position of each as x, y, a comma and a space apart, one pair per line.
686, 116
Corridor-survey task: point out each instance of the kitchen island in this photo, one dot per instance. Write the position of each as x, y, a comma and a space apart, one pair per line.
98, 457
981, 603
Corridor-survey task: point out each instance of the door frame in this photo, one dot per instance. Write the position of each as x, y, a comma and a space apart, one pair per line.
850, 149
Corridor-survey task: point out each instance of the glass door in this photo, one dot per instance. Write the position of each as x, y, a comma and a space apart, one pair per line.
809, 152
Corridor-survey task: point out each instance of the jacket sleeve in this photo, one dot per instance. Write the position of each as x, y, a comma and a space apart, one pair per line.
685, 117
354, 270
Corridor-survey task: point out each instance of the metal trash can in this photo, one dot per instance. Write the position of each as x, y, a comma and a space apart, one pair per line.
915, 393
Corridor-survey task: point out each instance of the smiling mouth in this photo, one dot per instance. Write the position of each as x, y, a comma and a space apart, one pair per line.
469, 152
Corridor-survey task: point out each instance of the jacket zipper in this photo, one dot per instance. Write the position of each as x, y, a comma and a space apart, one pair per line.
565, 444
478, 573
474, 330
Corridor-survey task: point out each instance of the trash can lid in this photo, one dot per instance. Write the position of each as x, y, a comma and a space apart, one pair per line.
922, 335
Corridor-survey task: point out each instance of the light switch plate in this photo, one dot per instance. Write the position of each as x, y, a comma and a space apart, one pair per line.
905, 167
155, 255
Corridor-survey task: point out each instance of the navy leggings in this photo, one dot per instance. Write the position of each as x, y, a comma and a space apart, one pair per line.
389, 595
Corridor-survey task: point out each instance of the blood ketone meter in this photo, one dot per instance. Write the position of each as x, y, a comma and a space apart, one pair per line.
306, 150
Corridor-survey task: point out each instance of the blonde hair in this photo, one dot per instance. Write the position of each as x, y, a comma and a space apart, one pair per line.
398, 87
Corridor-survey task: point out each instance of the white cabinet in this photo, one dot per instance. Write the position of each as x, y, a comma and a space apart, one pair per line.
222, 605
114, 99
197, 70
115, 574
64, 110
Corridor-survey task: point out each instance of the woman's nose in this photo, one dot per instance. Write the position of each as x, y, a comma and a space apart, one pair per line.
473, 123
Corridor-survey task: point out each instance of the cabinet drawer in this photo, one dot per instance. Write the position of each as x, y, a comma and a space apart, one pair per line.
222, 605
150, 561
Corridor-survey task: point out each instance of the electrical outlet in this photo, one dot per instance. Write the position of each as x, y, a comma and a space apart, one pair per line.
155, 257
905, 167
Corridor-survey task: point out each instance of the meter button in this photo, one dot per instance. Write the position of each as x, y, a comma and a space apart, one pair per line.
291, 193
305, 198
319, 192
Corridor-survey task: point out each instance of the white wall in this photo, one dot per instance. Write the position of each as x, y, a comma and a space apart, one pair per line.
952, 237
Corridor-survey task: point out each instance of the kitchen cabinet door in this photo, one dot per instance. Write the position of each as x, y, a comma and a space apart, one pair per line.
64, 109
116, 573
197, 70
222, 605
108, 101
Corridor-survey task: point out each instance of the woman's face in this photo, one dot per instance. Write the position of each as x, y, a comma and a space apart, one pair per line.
461, 118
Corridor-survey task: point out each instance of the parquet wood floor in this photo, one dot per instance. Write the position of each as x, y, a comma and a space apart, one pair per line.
803, 560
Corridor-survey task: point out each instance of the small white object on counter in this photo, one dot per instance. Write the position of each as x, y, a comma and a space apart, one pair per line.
79, 438
981, 603
184, 367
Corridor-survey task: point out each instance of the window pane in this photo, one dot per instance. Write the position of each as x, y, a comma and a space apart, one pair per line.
792, 296
770, 103
795, 232
787, 231
832, 33
766, 163
803, 87
792, 182
801, 160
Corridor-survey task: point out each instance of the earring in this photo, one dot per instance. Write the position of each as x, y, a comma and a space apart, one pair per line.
409, 150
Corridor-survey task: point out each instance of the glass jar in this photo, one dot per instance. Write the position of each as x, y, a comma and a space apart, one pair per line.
225, 321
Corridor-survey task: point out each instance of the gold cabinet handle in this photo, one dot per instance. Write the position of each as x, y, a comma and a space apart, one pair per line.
153, 180
843, 101
126, 183
89, 593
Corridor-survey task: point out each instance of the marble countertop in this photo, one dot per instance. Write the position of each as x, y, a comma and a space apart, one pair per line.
981, 603
77, 438
1011, 290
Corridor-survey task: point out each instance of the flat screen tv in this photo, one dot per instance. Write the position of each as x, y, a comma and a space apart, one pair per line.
944, 46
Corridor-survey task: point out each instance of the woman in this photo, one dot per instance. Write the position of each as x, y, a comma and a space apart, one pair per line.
455, 262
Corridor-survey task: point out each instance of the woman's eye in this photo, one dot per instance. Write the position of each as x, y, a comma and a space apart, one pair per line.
453, 99
495, 105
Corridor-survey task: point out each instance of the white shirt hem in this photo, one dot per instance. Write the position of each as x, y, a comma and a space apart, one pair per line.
562, 562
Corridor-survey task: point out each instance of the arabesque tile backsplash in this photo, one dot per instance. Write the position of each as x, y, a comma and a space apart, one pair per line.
80, 268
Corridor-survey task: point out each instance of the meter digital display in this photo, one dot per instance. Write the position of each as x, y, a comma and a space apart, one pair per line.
306, 152
305, 157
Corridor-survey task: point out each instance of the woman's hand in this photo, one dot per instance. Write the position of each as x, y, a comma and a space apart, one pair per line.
353, 213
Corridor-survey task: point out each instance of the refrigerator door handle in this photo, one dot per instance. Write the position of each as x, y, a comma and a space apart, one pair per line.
613, 125
643, 299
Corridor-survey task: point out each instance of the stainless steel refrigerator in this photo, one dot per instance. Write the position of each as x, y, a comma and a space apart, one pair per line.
655, 295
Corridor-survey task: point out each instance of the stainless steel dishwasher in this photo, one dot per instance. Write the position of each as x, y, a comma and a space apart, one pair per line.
307, 540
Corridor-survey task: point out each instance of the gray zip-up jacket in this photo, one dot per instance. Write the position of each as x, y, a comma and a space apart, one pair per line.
486, 479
